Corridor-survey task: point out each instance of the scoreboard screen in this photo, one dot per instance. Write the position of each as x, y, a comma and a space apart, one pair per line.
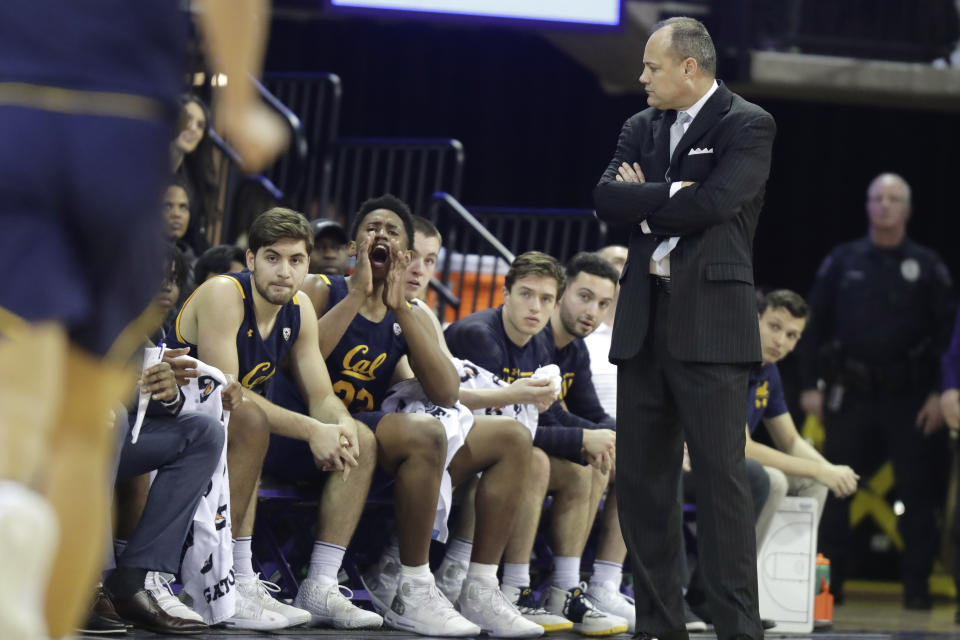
598, 13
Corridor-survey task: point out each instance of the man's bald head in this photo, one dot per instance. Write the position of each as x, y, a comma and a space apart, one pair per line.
615, 254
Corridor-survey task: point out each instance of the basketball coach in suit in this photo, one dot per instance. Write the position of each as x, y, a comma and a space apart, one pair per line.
688, 178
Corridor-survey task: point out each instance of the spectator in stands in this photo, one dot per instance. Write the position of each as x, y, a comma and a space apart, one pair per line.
184, 449
329, 255
510, 342
172, 288
224, 258
223, 323
176, 217
498, 447
191, 160
794, 466
881, 313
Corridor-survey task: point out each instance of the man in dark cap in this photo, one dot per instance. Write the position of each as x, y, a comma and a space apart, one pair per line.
329, 255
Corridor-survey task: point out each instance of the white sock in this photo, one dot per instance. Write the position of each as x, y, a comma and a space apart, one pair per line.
243, 556
516, 575
566, 572
459, 550
325, 561
481, 570
119, 545
605, 571
421, 571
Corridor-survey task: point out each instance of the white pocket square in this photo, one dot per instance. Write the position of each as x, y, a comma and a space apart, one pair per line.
697, 152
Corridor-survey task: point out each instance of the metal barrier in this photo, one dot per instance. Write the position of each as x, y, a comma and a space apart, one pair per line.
316, 98
480, 244
410, 168
259, 191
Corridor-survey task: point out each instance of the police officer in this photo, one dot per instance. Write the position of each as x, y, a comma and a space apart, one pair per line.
881, 315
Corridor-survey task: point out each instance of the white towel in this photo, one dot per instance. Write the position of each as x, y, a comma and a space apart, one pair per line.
473, 376
207, 569
408, 396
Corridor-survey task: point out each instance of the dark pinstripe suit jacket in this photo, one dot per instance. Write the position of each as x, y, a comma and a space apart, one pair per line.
713, 312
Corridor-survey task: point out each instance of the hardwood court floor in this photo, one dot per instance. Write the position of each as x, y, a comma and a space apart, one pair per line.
865, 616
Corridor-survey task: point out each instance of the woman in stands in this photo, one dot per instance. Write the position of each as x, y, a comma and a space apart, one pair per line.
191, 159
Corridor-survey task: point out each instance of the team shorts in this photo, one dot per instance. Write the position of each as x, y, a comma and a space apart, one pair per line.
80, 219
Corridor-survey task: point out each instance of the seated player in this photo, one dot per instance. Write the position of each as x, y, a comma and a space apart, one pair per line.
499, 447
591, 287
366, 326
244, 324
510, 342
794, 466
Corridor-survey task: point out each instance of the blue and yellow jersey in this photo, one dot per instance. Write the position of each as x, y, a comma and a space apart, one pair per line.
765, 397
363, 362
257, 355
360, 366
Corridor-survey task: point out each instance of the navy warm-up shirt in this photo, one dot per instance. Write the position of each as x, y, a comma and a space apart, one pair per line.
577, 392
481, 339
765, 397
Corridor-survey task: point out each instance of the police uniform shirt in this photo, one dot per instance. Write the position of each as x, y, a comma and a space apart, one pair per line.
765, 397
879, 304
257, 356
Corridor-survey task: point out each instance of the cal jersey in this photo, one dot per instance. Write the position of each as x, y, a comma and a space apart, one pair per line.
363, 362
257, 355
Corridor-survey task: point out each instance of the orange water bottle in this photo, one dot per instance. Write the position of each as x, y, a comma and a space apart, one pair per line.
823, 599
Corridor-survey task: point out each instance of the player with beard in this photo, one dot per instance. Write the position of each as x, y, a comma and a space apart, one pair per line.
590, 292
510, 341
366, 327
245, 324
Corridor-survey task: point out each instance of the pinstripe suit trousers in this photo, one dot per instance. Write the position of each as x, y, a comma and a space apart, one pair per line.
662, 401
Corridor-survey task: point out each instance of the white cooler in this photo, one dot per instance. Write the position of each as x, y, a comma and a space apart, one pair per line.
786, 566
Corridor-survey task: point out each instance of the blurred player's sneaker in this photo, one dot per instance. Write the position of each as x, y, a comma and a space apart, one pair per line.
587, 620
608, 599
482, 603
450, 577
419, 606
526, 603
328, 606
380, 581
28, 535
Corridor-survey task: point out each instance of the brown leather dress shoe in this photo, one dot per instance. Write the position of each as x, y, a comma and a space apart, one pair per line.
142, 610
103, 618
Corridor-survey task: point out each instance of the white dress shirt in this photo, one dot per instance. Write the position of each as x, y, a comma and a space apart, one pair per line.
661, 267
